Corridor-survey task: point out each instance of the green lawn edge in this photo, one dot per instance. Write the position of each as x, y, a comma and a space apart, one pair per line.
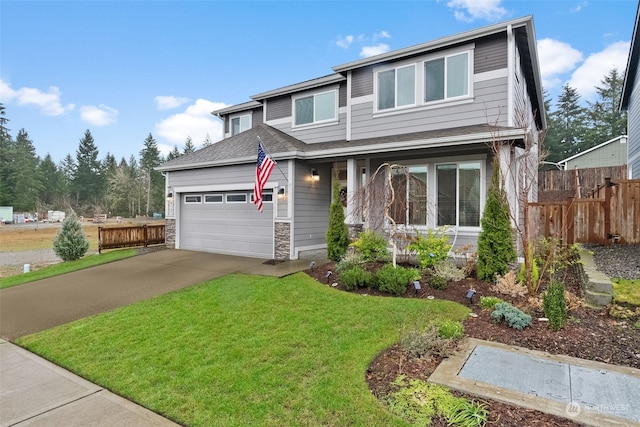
626, 291
66, 267
244, 350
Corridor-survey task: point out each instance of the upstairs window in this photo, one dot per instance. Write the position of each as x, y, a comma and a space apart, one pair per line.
240, 124
396, 87
316, 108
446, 77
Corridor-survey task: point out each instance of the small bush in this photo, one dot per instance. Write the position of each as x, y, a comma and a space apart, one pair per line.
71, 243
423, 344
337, 235
489, 303
395, 280
431, 248
508, 285
448, 270
535, 273
355, 277
437, 282
515, 318
450, 329
555, 305
350, 259
371, 246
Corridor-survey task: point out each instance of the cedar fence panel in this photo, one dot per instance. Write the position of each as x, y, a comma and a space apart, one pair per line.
612, 214
126, 237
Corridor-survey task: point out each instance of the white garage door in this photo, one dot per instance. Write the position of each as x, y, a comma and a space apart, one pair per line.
227, 223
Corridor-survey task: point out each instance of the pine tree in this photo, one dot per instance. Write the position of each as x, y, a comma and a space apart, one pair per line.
604, 118
495, 242
570, 118
188, 146
337, 232
71, 243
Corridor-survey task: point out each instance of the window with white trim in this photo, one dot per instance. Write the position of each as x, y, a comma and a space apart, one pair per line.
396, 87
267, 197
447, 77
410, 202
213, 198
236, 198
192, 198
240, 124
458, 198
320, 107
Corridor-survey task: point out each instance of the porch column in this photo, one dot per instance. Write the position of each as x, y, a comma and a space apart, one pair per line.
352, 218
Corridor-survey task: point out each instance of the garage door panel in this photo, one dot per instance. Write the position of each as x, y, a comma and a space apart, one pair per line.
230, 228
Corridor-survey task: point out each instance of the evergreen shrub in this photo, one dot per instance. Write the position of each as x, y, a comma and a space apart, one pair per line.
395, 279
555, 305
514, 317
337, 236
432, 248
371, 246
71, 243
355, 277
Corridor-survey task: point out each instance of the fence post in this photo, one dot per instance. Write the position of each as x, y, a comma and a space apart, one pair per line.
146, 238
99, 240
569, 221
607, 210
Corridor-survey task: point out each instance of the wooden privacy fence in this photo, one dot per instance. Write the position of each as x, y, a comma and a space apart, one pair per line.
612, 214
126, 237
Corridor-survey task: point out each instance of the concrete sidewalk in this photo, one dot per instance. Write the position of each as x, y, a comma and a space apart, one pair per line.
584, 391
35, 392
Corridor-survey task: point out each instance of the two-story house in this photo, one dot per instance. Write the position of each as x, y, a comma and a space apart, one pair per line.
631, 101
434, 108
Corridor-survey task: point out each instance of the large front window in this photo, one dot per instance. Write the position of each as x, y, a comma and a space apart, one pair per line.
458, 187
446, 77
396, 87
410, 195
317, 108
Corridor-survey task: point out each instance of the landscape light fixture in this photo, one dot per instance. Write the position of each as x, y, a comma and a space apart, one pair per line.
314, 175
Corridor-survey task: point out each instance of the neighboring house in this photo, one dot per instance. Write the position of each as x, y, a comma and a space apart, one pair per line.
631, 102
434, 108
610, 153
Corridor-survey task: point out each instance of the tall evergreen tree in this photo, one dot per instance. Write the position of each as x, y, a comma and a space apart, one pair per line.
495, 242
71, 243
67, 168
149, 160
604, 118
554, 150
51, 179
6, 164
87, 181
570, 117
174, 154
188, 146
337, 232
24, 176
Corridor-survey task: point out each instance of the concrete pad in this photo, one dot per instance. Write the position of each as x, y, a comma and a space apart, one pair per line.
619, 411
36, 392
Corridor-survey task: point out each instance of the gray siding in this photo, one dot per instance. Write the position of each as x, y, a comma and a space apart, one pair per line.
633, 126
279, 107
612, 154
320, 133
257, 117
490, 54
362, 82
342, 95
311, 205
490, 100
225, 175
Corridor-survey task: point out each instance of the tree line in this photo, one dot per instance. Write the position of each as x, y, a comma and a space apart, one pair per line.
130, 187
84, 184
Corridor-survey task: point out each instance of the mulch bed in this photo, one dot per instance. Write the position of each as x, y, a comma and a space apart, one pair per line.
589, 334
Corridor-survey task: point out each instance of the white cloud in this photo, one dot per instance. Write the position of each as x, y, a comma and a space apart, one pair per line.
196, 121
165, 149
48, 102
556, 58
470, 10
381, 35
367, 51
344, 42
598, 65
101, 115
169, 102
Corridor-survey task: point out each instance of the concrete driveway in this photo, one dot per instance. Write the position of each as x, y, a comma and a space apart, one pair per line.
41, 305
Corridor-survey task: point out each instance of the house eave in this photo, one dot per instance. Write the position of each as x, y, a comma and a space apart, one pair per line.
309, 84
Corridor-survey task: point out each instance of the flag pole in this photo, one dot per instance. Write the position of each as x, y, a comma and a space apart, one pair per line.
271, 157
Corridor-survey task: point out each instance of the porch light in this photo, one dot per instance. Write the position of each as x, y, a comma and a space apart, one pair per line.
314, 175
281, 193
169, 195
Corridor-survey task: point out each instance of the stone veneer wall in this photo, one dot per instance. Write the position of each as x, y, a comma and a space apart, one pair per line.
170, 233
282, 241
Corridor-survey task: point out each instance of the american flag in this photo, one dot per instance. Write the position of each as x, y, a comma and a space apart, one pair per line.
264, 167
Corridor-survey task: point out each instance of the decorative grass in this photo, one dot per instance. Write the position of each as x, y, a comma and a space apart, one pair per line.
626, 291
244, 350
66, 267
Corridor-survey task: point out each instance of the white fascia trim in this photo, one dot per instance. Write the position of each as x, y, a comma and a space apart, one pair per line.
491, 75
362, 99
223, 187
291, 172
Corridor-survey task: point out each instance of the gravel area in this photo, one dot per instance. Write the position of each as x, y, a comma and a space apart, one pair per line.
617, 261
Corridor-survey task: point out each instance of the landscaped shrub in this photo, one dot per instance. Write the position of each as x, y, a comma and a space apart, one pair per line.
489, 303
448, 270
555, 305
495, 242
355, 277
371, 246
508, 285
431, 248
426, 343
71, 243
535, 273
349, 260
450, 329
337, 232
514, 317
395, 279
417, 401
438, 282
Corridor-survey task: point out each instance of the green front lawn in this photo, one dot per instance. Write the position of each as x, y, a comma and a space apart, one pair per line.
66, 267
626, 291
244, 351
